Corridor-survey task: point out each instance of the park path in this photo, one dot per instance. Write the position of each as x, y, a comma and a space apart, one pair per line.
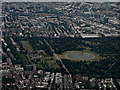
56, 56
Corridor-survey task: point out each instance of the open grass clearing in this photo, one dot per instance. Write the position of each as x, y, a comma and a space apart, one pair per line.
52, 64
26, 45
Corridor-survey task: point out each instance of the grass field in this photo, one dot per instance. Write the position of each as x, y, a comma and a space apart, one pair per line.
26, 45
40, 66
49, 64
24, 58
97, 57
52, 64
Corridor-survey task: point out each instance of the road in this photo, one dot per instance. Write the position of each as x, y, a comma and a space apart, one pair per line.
56, 56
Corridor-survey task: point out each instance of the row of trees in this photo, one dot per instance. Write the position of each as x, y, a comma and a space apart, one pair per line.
20, 57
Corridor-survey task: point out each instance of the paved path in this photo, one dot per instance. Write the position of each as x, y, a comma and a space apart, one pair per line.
56, 56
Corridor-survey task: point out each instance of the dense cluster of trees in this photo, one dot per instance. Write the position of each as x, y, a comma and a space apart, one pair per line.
65, 44
20, 57
103, 45
108, 49
98, 69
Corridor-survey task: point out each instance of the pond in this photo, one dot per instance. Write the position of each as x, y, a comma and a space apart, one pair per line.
80, 56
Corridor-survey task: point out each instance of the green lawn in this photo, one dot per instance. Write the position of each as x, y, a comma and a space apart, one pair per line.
40, 66
24, 59
52, 64
26, 45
